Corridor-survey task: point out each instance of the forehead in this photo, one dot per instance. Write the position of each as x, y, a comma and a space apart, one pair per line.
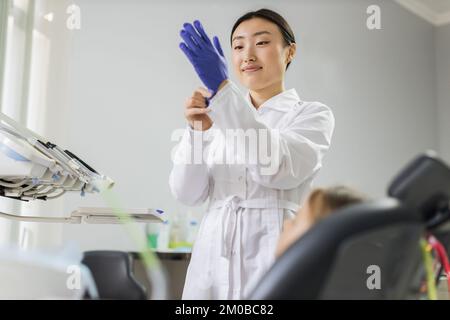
247, 28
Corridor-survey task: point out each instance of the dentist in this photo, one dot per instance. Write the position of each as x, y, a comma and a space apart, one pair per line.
248, 200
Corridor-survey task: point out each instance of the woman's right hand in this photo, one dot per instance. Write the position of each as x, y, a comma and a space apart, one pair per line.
196, 112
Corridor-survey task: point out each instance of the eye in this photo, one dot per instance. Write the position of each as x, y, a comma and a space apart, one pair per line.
262, 42
238, 47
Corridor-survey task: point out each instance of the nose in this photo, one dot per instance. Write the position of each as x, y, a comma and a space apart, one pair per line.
249, 55
250, 58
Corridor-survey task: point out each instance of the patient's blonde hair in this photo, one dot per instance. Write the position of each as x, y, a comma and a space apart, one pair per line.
323, 201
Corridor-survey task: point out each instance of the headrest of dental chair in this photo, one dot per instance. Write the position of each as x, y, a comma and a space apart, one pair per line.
425, 184
331, 261
113, 274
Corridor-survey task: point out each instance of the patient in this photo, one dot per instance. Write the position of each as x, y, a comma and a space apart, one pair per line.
319, 205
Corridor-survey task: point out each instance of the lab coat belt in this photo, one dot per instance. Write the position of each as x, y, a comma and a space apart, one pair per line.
230, 209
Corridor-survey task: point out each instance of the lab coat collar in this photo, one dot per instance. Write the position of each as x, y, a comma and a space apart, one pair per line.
283, 101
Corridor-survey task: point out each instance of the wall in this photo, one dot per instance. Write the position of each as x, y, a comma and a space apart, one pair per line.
442, 39
128, 82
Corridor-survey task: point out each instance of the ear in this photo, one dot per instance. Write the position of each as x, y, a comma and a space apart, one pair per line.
291, 52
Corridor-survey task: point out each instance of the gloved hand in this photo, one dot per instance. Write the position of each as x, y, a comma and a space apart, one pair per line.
208, 59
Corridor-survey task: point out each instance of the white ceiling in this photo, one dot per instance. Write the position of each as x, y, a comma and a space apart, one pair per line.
437, 6
436, 12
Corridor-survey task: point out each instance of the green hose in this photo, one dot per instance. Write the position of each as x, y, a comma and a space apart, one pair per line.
428, 262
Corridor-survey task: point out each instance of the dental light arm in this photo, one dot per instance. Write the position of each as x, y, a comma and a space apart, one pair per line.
32, 167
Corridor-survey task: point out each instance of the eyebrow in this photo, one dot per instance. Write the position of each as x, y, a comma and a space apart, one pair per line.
254, 35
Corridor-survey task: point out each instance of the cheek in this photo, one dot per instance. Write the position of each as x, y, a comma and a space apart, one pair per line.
273, 60
287, 225
236, 60
285, 233
271, 54
280, 59
287, 237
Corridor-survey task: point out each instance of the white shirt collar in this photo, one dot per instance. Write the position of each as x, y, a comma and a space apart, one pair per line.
283, 101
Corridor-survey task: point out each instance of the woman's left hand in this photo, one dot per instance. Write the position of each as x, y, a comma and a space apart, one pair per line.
208, 60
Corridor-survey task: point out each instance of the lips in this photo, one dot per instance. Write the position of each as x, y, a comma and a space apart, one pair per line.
251, 68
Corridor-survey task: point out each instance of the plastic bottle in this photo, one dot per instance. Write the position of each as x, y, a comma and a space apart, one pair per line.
152, 233
175, 235
164, 235
192, 232
193, 226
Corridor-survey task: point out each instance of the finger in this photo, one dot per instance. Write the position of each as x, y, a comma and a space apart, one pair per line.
195, 102
202, 92
201, 31
194, 34
188, 40
218, 46
188, 52
197, 111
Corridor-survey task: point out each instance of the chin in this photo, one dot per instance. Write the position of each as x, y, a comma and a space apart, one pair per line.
254, 84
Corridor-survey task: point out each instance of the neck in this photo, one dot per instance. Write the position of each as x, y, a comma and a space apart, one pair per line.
260, 96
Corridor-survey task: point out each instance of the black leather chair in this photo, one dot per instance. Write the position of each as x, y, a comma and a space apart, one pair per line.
334, 259
113, 274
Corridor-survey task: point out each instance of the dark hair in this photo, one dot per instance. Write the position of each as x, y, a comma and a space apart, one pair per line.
272, 16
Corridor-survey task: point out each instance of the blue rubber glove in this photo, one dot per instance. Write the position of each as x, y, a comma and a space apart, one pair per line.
208, 59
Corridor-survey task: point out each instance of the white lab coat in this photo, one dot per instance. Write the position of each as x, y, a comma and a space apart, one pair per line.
237, 237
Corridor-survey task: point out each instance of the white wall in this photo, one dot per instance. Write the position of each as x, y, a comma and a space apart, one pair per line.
443, 88
128, 81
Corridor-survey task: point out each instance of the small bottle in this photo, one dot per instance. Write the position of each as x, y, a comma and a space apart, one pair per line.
192, 232
175, 235
164, 235
152, 233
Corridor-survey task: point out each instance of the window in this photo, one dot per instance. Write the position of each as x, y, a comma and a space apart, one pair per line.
33, 49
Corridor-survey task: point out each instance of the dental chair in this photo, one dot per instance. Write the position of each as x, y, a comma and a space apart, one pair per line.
340, 257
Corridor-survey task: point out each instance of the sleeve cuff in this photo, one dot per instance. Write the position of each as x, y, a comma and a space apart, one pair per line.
206, 135
219, 96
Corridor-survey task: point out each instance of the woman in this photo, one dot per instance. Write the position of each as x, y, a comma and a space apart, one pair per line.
319, 205
248, 200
